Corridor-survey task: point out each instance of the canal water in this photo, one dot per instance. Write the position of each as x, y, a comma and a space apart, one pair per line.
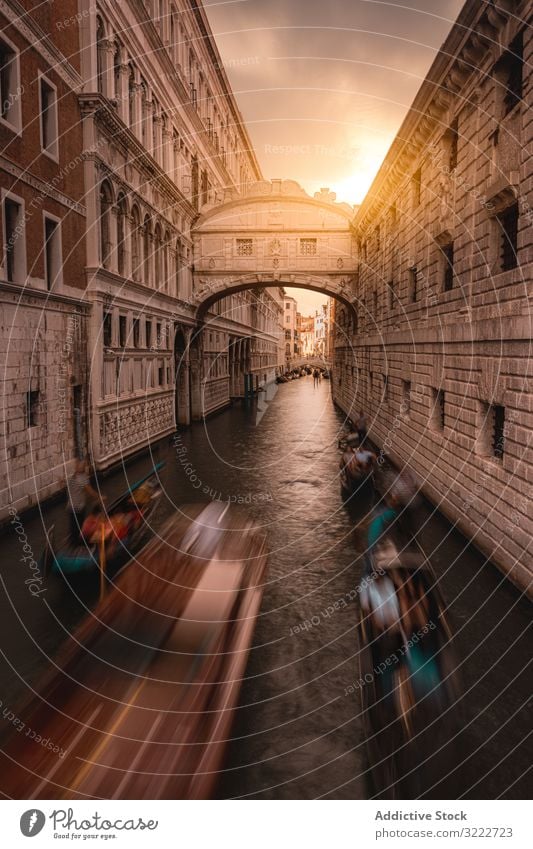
298, 730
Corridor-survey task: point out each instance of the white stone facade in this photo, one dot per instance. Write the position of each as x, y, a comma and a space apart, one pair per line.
439, 356
164, 140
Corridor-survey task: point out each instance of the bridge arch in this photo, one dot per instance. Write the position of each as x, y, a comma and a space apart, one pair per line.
212, 291
275, 235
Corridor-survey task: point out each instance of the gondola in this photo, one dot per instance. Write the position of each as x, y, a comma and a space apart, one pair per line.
141, 698
137, 504
407, 671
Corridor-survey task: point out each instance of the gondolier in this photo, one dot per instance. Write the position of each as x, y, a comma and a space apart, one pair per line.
79, 490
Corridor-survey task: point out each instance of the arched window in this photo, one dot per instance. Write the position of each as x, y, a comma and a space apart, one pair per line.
122, 212
146, 250
136, 244
100, 54
106, 203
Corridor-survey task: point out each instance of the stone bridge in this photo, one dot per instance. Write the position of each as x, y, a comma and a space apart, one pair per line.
276, 235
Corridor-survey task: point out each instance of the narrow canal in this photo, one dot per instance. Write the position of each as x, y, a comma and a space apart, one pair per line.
297, 734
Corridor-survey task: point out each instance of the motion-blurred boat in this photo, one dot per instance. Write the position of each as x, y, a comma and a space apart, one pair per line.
141, 699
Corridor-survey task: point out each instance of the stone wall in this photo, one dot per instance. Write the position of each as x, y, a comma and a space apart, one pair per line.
44, 352
439, 356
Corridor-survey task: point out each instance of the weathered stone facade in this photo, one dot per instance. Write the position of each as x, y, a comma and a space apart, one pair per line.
439, 356
164, 141
42, 211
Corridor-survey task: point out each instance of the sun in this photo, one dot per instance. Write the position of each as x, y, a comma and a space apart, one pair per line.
353, 187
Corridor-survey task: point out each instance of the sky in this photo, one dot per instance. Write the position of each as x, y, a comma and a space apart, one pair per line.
324, 85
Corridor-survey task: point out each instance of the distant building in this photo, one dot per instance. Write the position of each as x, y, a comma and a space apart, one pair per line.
290, 326
307, 336
321, 331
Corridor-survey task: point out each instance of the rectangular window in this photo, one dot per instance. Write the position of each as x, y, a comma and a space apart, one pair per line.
10, 87
417, 187
511, 68
14, 241
52, 252
161, 375
498, 433
447, 252
508, 223
32, 409
148, 332
437, 409
406, 399
413, 284
391, 294
48, 117
491, 441
122, 331
245, 247
385, 387
308, 247
453, 134
107, 329
136, 333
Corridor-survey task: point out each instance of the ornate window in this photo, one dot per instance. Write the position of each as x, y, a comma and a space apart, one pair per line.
308, 247
245, 247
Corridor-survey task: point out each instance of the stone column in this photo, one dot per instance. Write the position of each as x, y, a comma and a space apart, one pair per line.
196, 372
108, 57
122, 95
88, 60
157, 150
147, 122
137, 111
167, 151
113, 238
126, 248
